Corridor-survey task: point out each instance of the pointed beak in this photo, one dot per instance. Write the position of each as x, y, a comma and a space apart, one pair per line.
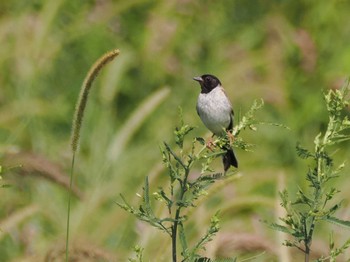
198, 79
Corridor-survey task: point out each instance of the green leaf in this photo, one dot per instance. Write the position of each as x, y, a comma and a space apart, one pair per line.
337, 221
165, 197
334, 208
317, 140
211, 231
126, 206
331, 241
182, 131
176, 157
203, 259
330, 194
146, 197
281, 228
200, 140
183, 241
302, 152
303, 198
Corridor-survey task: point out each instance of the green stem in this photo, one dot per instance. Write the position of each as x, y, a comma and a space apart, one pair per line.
309, 233
178, 210
183, 188
69, 203
317, 195
174, 233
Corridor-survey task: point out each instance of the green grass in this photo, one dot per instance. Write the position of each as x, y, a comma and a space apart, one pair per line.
285, 52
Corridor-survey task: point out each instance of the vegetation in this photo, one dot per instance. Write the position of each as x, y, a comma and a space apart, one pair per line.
183, 192
286, 52
304, 214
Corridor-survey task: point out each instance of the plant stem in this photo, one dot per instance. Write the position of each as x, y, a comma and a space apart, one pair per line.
78, 119
69, 203
317, 193
174, 233
178, 210
307, 253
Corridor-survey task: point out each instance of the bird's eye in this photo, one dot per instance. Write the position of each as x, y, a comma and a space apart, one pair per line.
207, 79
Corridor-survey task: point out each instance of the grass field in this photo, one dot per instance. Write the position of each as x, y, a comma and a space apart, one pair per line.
282, 51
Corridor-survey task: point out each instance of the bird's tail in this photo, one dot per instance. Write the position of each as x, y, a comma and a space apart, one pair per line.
229, 159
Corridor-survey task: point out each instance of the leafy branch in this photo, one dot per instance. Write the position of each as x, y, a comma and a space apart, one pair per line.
182, 193
314, 205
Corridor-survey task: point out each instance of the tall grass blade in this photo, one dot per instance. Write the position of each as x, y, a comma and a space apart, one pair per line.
122, 138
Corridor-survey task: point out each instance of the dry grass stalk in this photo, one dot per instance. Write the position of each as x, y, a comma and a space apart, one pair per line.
34, 164
228, 244
16, 218
79, 253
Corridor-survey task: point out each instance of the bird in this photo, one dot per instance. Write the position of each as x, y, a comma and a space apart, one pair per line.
215, 110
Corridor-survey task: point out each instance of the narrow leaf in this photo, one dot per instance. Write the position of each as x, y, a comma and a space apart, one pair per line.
337, 221
281, 228
146, 197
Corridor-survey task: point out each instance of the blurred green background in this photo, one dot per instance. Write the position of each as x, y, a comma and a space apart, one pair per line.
284, 51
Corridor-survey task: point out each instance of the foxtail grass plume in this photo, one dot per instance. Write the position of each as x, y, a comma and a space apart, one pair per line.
78, 119
84, 93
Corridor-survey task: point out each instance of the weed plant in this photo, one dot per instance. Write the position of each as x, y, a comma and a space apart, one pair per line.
318, 202
182, 192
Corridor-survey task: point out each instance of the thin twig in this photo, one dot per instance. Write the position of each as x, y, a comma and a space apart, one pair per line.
69, 203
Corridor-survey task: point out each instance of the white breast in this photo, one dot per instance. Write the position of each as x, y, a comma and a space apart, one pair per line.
215, 110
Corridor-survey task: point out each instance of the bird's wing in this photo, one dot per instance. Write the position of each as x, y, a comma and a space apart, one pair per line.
230, 126
197, 109
228, 100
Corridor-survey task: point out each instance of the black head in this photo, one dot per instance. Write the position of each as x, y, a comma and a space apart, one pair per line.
207, 82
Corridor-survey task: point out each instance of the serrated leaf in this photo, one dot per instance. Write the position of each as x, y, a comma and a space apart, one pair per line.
281, 228
183, 240
146, 197
337, 221
303, 152
334, 208
303, 198
126, 206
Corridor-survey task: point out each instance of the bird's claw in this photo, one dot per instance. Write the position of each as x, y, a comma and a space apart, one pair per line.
231, 137
210, 144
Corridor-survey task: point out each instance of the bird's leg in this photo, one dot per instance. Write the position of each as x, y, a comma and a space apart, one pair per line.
210, 143
230, 136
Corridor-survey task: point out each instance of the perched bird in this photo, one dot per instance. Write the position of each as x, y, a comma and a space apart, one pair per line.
215, 110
